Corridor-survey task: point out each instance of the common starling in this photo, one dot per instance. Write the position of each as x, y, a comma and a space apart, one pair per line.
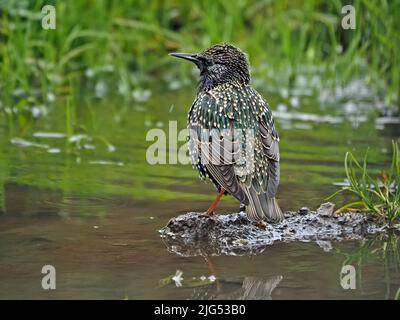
232, 136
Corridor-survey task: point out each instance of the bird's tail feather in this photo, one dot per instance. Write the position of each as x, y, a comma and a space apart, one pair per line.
262, 207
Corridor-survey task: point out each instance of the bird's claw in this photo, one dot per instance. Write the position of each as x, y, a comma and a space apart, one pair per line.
262, 225
208, 215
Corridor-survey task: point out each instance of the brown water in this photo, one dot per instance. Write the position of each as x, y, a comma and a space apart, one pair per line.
95, 215
120, 255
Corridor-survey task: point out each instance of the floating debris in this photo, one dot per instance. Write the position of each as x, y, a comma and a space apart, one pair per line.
78, 137
18, 92
25, 143
288, 125
51, 97
89, 73
88, 146
294, 102
325, 245
343, 184
141, 95
174, 85
111, 148
382, 121
39, 111
54, 150
248, 288
55, 77
160, 124
294, 115
49, 135
101, 89
346, 184
107, 68
107, 163
177, 278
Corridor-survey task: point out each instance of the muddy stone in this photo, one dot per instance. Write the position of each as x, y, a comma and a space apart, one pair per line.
193, 234
326, 209
304, 210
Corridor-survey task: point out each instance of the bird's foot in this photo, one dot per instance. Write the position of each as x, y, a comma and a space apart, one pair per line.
208, 214
261, 224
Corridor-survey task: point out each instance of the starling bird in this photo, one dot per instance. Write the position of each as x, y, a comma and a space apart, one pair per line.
232, 136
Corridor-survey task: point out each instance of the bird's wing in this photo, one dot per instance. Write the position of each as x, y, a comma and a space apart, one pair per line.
261, 184
212, 144
241, 136
270, 147
260, 171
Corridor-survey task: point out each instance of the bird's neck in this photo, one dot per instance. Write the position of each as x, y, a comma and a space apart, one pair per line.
209, 81
206, 83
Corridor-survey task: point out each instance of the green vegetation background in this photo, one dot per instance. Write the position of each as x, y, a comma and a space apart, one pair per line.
136, 35
92, 76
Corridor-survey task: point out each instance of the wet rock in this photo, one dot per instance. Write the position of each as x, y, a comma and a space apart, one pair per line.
193, 234
304, 210
326, 209
325, 245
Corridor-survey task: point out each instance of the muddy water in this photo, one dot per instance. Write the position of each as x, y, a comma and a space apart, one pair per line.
94, 215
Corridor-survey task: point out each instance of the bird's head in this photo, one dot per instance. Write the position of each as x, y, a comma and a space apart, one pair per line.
219, 64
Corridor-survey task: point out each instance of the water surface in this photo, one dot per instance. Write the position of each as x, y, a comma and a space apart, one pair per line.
95, 214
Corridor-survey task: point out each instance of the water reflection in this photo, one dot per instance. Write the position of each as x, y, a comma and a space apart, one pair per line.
250, 289
97, 219
119, 253
213, 287
382, 247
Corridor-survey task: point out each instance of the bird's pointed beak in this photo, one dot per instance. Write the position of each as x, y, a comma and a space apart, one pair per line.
187, 56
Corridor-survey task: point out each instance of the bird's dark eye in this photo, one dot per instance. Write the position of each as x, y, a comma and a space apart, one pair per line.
205, 61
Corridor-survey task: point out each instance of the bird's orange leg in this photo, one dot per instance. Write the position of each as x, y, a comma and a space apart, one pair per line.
210, 210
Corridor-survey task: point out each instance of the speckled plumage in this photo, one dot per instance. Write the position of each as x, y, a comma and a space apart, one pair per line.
233, 140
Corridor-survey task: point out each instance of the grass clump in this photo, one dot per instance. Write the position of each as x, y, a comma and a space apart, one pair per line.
127, 42
379, 196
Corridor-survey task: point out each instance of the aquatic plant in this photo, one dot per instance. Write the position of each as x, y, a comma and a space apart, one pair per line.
380, 195
383, 246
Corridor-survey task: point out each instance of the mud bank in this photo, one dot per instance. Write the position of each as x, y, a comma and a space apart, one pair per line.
194, 234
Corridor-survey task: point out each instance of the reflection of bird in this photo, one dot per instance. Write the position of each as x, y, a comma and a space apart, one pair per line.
251, 289
233, 140
259, 289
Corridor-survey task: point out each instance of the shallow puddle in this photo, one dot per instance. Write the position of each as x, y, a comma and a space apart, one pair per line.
94, 213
